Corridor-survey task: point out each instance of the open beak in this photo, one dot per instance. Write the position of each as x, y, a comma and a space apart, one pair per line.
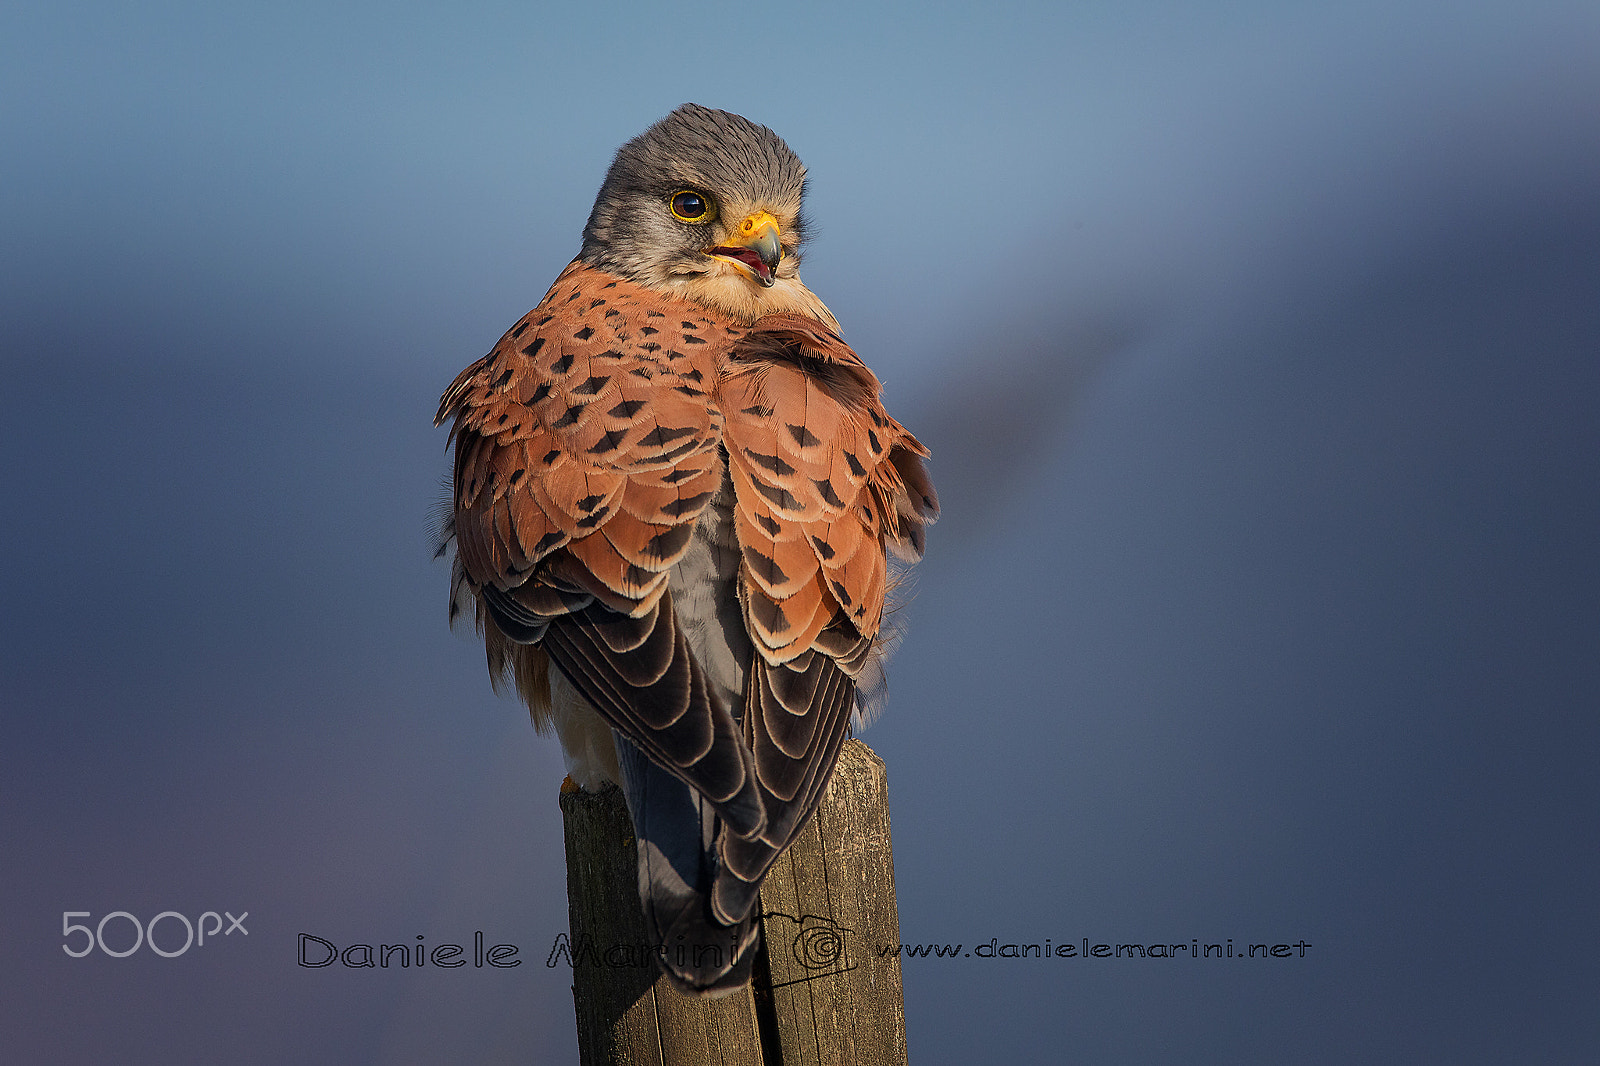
754, 248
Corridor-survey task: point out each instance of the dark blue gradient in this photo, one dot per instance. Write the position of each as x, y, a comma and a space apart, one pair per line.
1259, 352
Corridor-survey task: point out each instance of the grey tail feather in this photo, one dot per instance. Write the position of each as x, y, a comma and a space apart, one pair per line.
676, 830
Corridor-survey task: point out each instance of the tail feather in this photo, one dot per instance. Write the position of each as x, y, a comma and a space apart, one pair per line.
676, 830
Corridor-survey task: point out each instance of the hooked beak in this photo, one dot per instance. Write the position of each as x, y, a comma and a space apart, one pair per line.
754, 248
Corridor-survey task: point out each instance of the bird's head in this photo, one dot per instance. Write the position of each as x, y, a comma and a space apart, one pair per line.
706, 205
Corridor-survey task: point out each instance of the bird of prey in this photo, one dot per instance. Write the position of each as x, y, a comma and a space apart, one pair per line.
677, 486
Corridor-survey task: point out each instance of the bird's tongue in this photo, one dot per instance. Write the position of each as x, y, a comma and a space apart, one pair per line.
748, 257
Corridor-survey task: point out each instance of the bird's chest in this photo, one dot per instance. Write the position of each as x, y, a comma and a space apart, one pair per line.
705, 594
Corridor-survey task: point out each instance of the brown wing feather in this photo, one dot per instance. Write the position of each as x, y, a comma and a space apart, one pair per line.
587, 446
820, 472
556, 438
817, 465
797, 715
586, 449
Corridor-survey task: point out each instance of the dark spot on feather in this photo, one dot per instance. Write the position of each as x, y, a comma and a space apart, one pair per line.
575, 294
855, 467
609, 285
648, 330
589, 521
499, 382
823, 548
802, 436
661, 436
503, 420
562, 365
773, 463
626, 409
521, 328
758, 411
840, 591
651, 346
642, 372
518, 474
683, 449
549, 541
612, 311
533, 349
829, 497
637, 575
596, 302
769, 524
688, 325
764, 567
570, 418
589, 503
592, 386
872, 439
610, 353
654, 314
666, 545
609, 441
689, 390
769, 615
540, 393
680, 474
680, 507
551, 456
782, 498
693, 340
583, 334
694, 375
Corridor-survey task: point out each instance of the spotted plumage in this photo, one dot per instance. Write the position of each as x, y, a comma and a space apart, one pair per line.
677, 484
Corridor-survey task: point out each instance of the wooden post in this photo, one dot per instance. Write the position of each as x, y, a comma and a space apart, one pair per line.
823, 992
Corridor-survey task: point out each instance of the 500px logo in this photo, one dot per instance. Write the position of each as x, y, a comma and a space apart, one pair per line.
146, 934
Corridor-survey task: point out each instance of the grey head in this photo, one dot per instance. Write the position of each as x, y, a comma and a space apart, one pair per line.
683, 204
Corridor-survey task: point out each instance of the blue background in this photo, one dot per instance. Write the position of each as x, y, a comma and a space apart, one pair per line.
1259, 350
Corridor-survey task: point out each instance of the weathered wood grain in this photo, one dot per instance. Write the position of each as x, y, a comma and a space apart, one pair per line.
823, 993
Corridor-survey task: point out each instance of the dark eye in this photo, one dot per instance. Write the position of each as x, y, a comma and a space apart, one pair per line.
691, 207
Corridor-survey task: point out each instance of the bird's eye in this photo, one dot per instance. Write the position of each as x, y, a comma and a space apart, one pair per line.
691, 207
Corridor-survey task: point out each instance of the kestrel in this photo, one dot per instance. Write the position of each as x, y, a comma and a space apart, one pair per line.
676, 483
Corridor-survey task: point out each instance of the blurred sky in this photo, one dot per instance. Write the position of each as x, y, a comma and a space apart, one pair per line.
1259, 349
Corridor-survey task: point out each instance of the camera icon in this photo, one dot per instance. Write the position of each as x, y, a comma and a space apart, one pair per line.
818, 946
